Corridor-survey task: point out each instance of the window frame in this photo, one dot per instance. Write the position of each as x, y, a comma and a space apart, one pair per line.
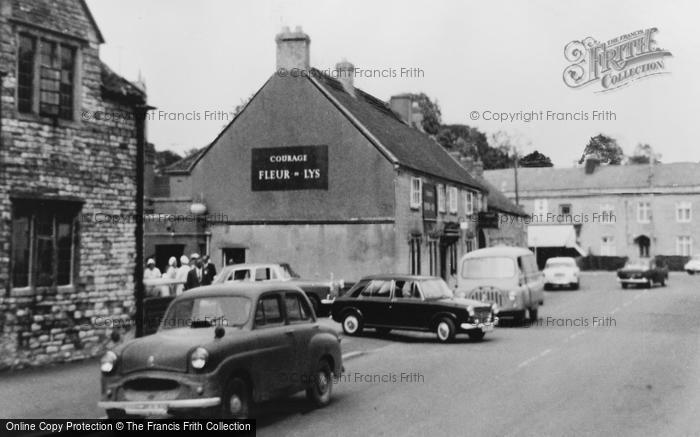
643, 206
281, 307
684, 242
416, 199
60, 212
453, 199
607, 212
40, 40
468, 203
441, 198
682, 207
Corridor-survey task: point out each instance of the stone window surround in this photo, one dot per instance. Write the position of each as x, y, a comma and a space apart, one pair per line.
681, 207
416, 193
40, 33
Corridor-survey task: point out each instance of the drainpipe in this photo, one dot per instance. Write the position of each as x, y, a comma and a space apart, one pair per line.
140, 112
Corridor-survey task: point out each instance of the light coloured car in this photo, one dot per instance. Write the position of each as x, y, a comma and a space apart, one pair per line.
507, 276
561, 272
693, 265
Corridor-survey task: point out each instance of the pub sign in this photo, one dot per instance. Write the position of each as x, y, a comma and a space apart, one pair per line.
289, 168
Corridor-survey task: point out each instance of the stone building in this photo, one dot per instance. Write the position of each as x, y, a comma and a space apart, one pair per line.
612, 210
67, 185
322, 175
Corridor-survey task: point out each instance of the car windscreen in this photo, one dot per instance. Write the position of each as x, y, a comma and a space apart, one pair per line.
637, 265
493, 267
435, 289
208, 311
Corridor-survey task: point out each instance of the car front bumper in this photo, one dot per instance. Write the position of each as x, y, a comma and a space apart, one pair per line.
560, 280
156, 408
483, 327
633, 280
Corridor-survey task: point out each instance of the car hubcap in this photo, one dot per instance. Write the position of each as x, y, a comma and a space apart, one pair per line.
235, 404
350, 324
322, 382
443, 331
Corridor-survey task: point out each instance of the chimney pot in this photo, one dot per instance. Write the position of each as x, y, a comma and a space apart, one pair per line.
293, 49
346, 75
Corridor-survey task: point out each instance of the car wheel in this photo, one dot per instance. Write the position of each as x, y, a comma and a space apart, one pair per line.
547, 287
648, 283
236, 402
352, 324
319, 391
663, 282
624, 285
691, 272
533, 315
575, 285
383, 331
445, 330
476, 336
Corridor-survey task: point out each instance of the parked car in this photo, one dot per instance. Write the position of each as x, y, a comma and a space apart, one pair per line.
693, 265
318, 291
420, 303
643, 271
507, 276
561, 272
219, 350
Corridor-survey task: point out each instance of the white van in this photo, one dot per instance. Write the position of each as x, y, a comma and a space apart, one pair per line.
507, 276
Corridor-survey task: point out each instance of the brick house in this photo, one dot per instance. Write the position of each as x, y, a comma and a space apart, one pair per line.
67, 164
613, 210
320, 174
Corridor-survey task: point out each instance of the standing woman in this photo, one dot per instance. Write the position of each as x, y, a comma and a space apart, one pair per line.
182, 274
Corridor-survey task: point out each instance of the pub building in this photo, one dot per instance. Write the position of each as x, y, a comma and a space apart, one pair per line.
321, 175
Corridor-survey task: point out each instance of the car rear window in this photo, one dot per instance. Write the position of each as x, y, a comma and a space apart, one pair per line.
488, 267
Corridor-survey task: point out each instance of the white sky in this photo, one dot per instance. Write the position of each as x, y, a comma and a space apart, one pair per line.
502, 56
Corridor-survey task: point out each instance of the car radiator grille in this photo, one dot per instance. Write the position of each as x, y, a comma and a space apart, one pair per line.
487, 294
482, 314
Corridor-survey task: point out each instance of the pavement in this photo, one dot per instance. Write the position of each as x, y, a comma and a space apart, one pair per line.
601, 360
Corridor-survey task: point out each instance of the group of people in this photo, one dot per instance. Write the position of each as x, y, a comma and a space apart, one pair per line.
193, 272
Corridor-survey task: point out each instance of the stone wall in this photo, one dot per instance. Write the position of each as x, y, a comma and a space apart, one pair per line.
89, 159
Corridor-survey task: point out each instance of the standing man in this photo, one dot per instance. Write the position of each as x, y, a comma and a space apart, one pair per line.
195, 278
209, 270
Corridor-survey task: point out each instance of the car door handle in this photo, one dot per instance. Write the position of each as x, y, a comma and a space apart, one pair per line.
289, 332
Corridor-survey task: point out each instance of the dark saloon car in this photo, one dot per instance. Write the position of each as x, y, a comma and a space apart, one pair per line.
219, 350
421, 303
643, 271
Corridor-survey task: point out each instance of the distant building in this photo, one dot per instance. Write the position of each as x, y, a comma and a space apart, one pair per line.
613, 210
67, 170
318, 173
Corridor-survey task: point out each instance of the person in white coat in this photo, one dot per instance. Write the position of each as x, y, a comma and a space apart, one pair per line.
182, 273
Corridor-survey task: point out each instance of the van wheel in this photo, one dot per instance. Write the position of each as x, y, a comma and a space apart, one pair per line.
624, 285
352, 324
445, 330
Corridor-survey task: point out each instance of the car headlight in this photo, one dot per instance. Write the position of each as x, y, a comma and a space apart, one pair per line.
512, 295
470, 309
494, 308
108, 361
199, 357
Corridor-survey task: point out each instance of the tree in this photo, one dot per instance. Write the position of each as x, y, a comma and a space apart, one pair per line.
606, 148
535, 159
164, 158
191, 152
471, 142
430, 110
643, 154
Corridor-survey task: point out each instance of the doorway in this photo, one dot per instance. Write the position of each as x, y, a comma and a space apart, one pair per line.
643, 242
165, 251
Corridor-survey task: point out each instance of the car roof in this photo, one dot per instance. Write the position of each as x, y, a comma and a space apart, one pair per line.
561, 258
498, 251
249, 265
400, 276
249, 289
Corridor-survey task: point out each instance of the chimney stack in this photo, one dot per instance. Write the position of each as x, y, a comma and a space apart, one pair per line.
346, 75
407, 109
592, 161
293, 49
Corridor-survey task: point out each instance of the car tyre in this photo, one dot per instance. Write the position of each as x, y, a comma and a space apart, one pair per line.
575, 285
476, 336
445, 330
321, 387
533, 315
624, 285
547, 287
691, 272
352, 324
663, 282
649, 283
237, 400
